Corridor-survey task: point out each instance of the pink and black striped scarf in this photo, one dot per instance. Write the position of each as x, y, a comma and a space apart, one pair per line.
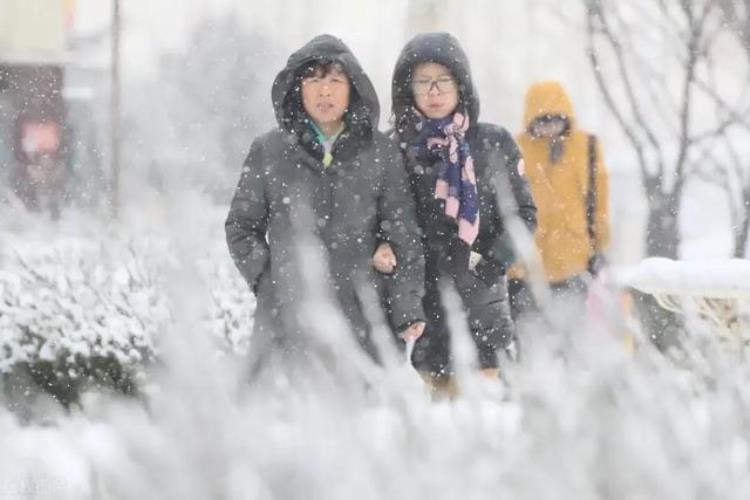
456, 181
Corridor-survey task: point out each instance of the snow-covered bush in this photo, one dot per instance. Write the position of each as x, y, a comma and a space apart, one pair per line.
76, 314
230, 312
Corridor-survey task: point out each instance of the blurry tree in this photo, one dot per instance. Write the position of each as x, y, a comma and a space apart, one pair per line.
736, 179
662, 68
214, 100
422, 16
219, 79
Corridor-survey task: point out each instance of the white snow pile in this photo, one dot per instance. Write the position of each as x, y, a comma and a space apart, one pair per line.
72, 303
594, 424
728, 278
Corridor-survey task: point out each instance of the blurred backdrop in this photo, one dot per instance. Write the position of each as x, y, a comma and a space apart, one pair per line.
662, 84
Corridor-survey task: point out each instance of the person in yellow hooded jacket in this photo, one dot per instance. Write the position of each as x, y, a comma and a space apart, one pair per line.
569, 184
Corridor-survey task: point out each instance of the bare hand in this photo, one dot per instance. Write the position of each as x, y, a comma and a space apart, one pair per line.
413, 332
384, 260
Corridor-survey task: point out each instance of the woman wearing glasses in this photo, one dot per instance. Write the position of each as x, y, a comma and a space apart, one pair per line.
457, 169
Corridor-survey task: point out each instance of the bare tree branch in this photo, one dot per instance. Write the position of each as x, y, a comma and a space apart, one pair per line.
721, 103
740, 171
718, 175
681, 128
630, 92
592, 12
695, 27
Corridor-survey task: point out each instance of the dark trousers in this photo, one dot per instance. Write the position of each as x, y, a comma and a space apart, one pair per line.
489, 323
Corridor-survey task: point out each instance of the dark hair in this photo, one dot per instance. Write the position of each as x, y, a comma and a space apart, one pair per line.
321, 68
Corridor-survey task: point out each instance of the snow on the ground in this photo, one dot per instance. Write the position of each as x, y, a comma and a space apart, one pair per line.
587, 428
719, 278
588, 420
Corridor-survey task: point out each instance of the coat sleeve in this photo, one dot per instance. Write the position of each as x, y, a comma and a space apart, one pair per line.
247, 221
601, 222
515, 196
399, 227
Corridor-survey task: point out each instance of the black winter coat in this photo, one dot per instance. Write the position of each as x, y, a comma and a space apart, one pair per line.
289, 209
483, 289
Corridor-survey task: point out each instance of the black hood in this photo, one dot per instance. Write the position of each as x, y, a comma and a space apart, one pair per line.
441, 48
364, 109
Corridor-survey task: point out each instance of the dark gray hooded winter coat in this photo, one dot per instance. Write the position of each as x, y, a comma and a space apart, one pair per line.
298, 231
496, 163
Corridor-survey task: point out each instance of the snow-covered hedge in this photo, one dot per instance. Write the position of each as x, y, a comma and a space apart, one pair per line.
77, 313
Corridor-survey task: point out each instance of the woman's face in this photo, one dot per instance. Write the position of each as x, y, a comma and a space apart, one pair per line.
549, 128
435, 90
326, 98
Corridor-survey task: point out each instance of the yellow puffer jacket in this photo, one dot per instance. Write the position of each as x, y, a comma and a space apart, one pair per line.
560, 189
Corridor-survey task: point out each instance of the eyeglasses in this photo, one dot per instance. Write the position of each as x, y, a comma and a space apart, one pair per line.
443, 85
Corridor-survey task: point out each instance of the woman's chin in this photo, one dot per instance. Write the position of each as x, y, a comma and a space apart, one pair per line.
436, 113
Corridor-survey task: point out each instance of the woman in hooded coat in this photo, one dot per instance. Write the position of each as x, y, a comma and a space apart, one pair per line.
569, 181
463, 175
315, 196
